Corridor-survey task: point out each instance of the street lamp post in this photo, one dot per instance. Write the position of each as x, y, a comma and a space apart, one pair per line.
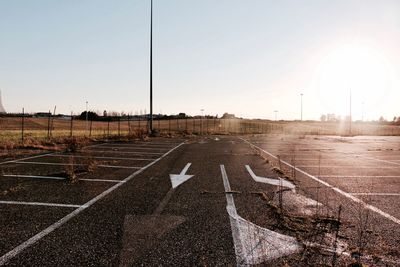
350, 119
301, 107
362, 111
87, 115
151, 68
201, 121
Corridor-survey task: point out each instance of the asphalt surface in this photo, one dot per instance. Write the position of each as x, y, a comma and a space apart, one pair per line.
125, 212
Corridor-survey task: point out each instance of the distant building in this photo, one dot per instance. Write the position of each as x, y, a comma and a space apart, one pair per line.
228, 116
42, 114
331, 117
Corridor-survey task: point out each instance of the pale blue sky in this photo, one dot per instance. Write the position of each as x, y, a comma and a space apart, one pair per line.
248, 57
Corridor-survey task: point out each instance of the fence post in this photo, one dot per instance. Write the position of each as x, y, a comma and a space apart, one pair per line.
129, 126
23, 125
90, 129
119, 126
48, 126
201, 125
215, 119
71, 125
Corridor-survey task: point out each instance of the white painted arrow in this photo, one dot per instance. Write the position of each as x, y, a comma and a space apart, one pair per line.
278, 182
178, 179
255, 245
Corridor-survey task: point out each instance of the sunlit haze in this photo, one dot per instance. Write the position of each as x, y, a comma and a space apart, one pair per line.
243, 57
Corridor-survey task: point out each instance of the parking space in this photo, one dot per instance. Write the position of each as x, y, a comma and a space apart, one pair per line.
207, 200
360, 173
36, 196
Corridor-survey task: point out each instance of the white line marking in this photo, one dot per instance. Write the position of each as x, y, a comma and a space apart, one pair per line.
380, 160
33, 157
102, 180
17, 250
254, 244
359, 176
49, 163
89, 157
137, 145
60, 178
375, 194
178, 179
133, 148
33, 176
122, 152
347, 166
38, 204
118, 167
277, 182
37, 156
75, 164
347, 195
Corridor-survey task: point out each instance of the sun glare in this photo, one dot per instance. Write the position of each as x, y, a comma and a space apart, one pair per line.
357, 68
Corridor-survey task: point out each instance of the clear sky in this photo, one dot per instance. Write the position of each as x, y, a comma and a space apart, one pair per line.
248, 57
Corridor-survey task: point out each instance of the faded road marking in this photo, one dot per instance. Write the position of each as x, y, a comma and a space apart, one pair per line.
17, 250
340, 191
277, 182
40, 204
254, 244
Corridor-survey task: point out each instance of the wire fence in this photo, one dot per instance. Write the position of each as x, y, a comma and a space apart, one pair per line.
24, 126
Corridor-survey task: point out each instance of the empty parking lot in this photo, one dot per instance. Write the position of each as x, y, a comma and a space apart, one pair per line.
191, 201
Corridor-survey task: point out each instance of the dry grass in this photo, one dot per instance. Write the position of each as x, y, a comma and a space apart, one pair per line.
70, 171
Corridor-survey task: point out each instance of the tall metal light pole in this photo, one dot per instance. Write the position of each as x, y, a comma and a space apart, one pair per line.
151, 67
301, 107
201, 121
362, 111
350, 115
87, 115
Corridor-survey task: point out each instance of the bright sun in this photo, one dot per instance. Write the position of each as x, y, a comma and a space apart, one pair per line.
354, 67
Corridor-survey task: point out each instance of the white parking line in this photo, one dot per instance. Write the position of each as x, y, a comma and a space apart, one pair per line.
114, 148
123, 152
375, 194
347, 166
33, 157
118, 167
359, 176
138, 145
37, 156
33, 176
89, 157
39, 204
102, 180
343, 193
74, 164
380, 160
60, 178
17, 250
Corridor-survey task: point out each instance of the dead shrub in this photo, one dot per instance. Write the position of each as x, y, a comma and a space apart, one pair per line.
141, 134
74, 144
70, 171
